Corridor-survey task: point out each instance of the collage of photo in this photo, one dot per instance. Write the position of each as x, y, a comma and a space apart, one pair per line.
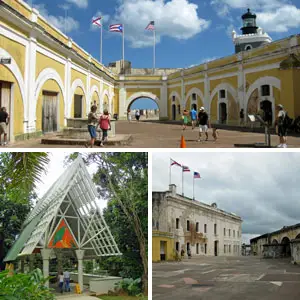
149, 149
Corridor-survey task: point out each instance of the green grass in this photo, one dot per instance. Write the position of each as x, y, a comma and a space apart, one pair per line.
122, 298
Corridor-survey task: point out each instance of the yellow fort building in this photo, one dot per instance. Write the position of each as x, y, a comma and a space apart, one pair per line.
46, 78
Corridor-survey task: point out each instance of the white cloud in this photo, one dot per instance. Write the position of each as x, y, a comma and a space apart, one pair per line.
69, 24
272, 15
176, 18
79, 3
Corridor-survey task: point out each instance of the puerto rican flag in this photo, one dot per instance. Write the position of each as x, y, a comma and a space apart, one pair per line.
97, 22
196, 175
116, 28
175, 163
185, 169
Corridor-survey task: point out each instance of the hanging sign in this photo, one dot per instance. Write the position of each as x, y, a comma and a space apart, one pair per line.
5, 61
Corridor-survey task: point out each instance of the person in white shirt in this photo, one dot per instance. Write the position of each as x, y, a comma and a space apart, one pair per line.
67, 281
61, 281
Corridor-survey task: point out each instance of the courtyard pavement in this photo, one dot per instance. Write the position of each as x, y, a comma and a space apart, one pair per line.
162, 135
226, 278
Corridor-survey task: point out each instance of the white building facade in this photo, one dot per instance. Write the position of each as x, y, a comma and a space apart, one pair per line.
204, 229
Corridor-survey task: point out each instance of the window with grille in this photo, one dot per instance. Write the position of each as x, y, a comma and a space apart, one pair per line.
265, 90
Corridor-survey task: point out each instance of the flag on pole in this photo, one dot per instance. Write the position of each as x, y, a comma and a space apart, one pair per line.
97, 22
150, 26
175, 163
185, 169
196, 175
116, 28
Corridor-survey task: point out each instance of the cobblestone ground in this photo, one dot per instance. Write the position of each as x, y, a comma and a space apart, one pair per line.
226, 278
158, 135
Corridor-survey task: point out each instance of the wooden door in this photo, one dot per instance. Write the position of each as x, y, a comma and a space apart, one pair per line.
49, 114
5, 101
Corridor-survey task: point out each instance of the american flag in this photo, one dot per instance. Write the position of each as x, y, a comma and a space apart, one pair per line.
150, 26
196, 175
185, 169
116, 28
175, 163
97, 22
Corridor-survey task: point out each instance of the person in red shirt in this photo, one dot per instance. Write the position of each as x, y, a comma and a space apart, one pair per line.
104, 124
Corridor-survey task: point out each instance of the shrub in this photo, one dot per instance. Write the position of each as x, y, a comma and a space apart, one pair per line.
130, 286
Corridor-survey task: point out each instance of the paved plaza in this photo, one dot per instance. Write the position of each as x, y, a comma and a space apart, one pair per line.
163, 135
227, 278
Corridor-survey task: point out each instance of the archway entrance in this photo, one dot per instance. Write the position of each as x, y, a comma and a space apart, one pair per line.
50, 112
146, 107
216, 248
287, 247
222, 113
78, 106
266, 106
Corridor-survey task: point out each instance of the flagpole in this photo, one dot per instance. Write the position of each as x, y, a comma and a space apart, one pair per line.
193, 187
123, 49
170, 172
101, 40
154, 38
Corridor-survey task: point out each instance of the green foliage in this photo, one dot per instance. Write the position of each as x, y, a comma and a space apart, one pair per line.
130, 286
24, 286
88, 266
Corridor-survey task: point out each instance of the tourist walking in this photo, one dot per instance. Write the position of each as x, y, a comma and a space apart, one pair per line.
215, 134
67, 281
184, 119
104, 124
203, 123
242, 118
61, 282
129, 115
182, 254
189, 252
137, 115
4, 119
281, 126
92, 123
193, 115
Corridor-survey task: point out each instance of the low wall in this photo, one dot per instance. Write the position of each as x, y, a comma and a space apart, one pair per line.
273, 250
86, 277
295, 251
104, 285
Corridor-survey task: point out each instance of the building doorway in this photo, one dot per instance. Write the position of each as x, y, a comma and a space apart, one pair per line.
223, 113
78, 106
173, 112
5, 101
194, 106
163, 247
287, 247
49, 112
266, 106
216, 248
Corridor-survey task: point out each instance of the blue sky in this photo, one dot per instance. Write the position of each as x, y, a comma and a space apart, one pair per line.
189, 32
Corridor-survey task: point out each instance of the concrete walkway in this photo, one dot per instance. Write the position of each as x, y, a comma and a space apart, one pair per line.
76, 297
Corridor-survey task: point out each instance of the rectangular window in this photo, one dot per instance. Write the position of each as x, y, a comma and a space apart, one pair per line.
229, 248
197, 248
222, 94
205, 228
215, 228
173, 98
205, 248
194, 97
233, 233
237, 235
197, 227
187, 225
224, 231
177, 223
224, 248
177, 246
228, 232
265, 90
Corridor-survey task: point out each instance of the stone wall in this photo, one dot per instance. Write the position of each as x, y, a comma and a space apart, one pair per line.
295, 250
273, 251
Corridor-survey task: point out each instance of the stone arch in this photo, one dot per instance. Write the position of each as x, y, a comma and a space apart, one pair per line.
44, 76
274, 242
287, 246
194, 91
95, 89
254, 93
233, 92
177, 103
138, 95
107, 94
77, 83
15, 70
298, 236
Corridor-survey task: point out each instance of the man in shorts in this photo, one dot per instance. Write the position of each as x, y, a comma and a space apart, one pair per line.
193, 115
4, 119
203, 123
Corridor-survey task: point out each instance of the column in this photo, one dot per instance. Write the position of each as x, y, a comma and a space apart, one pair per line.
207, 104
68, 100
88, 93
46, 257
31, 262
122, 102
163, 113
182, 92
101, 96
80, 254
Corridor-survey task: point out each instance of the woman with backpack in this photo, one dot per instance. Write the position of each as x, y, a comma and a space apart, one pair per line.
104, 124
